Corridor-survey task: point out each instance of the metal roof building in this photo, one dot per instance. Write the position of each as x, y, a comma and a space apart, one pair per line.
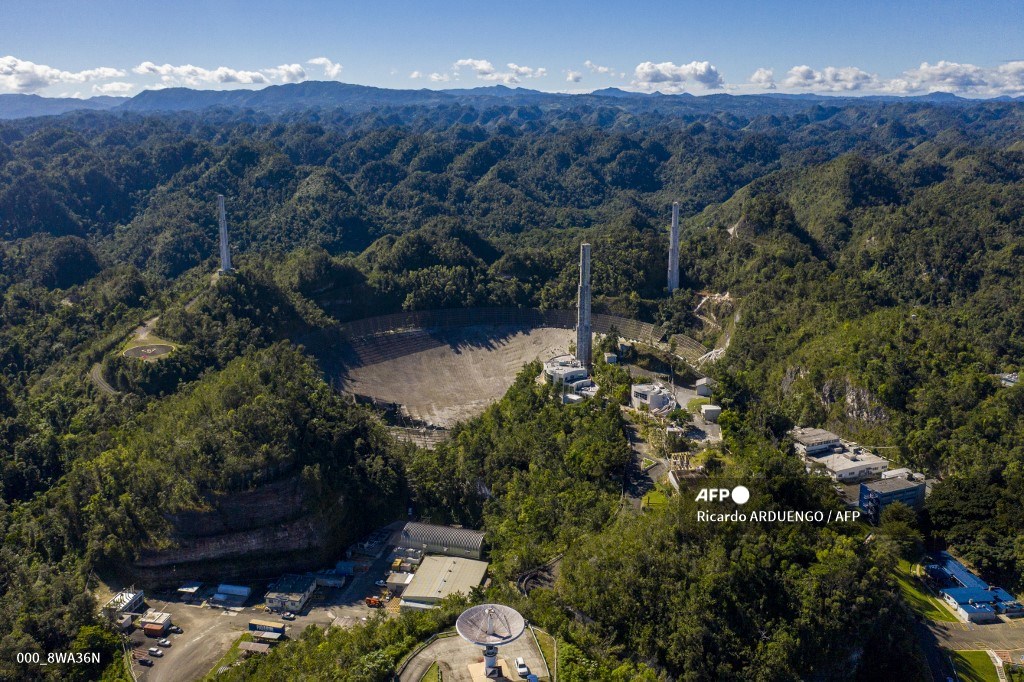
439, 577
460, 542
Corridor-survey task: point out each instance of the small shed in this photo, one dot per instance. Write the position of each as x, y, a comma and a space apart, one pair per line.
710, 413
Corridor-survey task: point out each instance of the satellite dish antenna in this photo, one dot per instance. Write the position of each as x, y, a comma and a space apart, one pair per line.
490, 626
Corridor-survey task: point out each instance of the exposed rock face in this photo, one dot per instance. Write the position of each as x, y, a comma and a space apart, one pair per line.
252, 534
858, 403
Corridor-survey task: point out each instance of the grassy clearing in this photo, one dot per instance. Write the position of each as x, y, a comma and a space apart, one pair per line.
230, 657
974, 666
654, 500
647, 463
693, 406
547, 649
151, 340
920, 601
433, 673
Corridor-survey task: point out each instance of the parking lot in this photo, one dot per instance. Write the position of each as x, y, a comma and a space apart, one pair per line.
209, 631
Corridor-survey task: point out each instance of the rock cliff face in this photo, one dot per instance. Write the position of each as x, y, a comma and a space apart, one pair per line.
254, 534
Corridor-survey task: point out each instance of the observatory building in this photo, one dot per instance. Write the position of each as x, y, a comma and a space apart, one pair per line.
573, 371
225, 249
655, 397
572, 375
490, 626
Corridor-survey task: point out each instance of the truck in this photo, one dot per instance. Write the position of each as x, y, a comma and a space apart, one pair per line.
373, 602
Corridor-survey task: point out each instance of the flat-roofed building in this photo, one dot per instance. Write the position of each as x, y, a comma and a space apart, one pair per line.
704, 387
710, 413
875, 496
564, 369
125, 601
439, 577
397, 582
810, 442
654, 397
433, 539
290, 592
850, 466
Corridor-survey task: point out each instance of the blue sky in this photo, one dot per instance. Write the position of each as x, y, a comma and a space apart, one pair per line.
900, 46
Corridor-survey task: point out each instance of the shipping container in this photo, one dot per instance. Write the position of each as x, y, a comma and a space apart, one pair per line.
266, 626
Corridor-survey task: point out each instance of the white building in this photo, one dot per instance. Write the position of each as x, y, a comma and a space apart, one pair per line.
849, 466
841, 460
809, 442
654, 397
710, 413
704, 387
564, 369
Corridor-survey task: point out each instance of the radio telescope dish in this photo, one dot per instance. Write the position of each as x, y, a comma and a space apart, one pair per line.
490, 625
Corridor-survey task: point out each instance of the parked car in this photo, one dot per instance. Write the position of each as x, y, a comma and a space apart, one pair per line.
164, 642
148, 662
153, 651
176, 629
521, 668
381, 583
288, 615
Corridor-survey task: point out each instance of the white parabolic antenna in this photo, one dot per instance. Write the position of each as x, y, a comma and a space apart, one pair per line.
490, 625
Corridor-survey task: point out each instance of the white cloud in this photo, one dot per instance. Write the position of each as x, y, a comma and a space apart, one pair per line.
606, 70
187, 74
831, 79
1010, 77
331, 69
287, 73
19, 75
669, 77
485, 70
573, 76
117, 88
942, 76
764, 77
440, 77
415, 75
526, 71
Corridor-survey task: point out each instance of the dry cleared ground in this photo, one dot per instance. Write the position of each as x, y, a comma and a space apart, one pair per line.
443, 376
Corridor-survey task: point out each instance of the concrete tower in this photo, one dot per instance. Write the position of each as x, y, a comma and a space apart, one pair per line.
225, 250
673, 250
583, 331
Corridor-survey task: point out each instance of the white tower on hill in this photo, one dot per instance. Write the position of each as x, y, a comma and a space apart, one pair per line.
225, 250
583, 331
673, 250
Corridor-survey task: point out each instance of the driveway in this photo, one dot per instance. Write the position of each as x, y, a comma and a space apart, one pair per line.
455, 654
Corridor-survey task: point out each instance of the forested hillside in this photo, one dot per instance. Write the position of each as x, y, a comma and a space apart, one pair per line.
872, 256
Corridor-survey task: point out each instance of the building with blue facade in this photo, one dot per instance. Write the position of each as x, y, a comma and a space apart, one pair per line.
970, 597
877, 495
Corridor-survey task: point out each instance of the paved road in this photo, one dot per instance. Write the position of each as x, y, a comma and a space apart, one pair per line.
96, 375
967, 636
456, 654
